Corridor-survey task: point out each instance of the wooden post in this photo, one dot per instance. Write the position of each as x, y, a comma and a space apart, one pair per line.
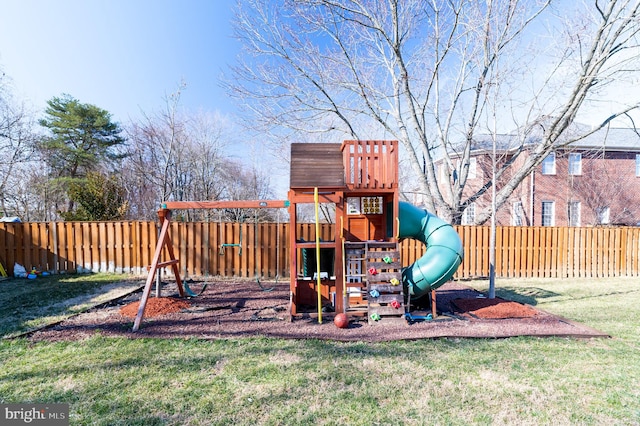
293, 252
434, 311
161, 216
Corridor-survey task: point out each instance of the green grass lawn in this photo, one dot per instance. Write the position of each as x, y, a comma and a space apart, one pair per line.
523, 381
29, 304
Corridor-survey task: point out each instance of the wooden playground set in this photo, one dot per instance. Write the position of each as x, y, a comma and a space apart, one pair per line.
360, 272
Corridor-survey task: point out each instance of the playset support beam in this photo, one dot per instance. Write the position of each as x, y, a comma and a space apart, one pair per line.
250, 204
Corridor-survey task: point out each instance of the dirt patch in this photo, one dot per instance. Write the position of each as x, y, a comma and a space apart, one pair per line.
241, 309
155, 307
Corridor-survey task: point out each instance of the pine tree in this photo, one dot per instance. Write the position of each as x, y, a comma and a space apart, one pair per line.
82, 139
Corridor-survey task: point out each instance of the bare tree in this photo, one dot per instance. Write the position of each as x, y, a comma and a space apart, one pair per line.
155, 156
179, 156
422, 72
16, 145
247, 183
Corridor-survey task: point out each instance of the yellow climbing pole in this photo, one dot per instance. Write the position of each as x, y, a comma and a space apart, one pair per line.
319, 283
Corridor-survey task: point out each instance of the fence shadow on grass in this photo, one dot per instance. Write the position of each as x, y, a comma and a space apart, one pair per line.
528, 295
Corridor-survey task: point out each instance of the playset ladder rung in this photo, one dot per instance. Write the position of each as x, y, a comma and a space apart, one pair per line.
384, 278
357, 309
382, 245
384, 299
168, 263
386, 287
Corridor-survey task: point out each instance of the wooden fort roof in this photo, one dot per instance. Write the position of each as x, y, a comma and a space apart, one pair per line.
316, 165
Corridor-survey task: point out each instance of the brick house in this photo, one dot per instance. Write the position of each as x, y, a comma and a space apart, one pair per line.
595, 181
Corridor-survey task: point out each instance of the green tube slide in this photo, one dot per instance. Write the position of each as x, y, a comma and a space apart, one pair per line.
442, 256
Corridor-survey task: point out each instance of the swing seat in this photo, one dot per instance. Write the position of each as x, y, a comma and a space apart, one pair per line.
222, 247
190, 293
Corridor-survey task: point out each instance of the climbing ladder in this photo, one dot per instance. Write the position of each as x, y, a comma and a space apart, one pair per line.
385, 294
355, 277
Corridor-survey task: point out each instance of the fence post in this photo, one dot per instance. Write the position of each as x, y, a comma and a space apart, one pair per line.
53, 231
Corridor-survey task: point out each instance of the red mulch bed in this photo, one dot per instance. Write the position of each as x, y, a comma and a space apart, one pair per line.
482, 307
155, 307
240, 309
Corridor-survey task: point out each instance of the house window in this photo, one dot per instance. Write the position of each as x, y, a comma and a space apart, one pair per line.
602, 215
575, 164
549, 164
473, 167
469, 214
574, 213
517, 214
548, 213
638, 165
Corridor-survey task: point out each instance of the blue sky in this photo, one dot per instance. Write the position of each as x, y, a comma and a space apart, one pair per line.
120, 55
124, 56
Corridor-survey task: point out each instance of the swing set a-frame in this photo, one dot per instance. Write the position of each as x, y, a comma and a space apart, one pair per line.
164, 242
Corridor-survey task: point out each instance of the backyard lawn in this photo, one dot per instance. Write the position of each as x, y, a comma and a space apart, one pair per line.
259, 381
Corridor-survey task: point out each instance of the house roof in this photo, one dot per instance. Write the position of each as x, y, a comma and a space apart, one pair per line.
611, 139
608, 138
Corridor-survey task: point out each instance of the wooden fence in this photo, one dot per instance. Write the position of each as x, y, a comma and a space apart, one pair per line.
247, 250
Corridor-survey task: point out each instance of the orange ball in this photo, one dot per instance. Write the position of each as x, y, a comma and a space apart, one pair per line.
341, 321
